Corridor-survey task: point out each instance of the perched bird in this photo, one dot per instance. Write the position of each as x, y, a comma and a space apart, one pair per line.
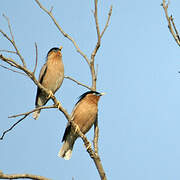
84, 115
51, 77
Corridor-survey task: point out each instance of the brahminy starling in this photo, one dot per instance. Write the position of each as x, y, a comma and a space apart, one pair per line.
51, 77
84, 115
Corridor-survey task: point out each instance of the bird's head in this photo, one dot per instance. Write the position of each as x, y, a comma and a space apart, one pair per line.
90, 96
54, 52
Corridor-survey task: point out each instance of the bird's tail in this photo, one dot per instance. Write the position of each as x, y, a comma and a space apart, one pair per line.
36, 114
66, 150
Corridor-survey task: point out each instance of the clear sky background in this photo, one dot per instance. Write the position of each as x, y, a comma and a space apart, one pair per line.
139, 117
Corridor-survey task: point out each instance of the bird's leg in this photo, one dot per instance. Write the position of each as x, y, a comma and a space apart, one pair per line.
50, 94
58, 104
88, 146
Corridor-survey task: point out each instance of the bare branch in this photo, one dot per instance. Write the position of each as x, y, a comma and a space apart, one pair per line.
63, 33
51, 9
96, 21
171, 25
7, 51
24, 116
12, 70
1, 138
172, 20
9, 26
99, 36
12, 41
36, 59
77, 82
20, 176
107, 23
36, 109
93, 154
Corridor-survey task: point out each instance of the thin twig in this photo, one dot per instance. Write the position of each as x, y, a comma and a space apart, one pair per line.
36, 58
21, 176
99, 36
62, 31
51, 9
12, 40
77, 82
96, 21
1, 138
107, 23
24, 116
7, 51
36, 109
13, 70
171, 25
174, 26
9, 26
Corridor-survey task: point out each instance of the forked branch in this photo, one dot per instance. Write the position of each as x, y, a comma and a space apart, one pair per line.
171, 24
93, 153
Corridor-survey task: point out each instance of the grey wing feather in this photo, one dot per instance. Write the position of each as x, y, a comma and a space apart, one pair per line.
41, 76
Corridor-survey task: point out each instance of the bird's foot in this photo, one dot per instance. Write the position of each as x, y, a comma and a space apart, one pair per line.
88, 146
76, 128
50, 94
58, 105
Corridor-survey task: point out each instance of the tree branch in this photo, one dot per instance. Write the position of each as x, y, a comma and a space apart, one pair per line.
20, 176
77, 82
107, 23
12, 70
171, 24
7, 51
62, 31
99, 37
25, 115
93, 153
12, 41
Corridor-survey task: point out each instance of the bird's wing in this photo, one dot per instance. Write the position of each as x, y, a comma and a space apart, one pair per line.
41, 76
68, 127
67, 131
42, 72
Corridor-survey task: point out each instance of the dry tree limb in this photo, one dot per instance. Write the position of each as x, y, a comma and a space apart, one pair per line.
62, 31
12, 40
93, 153
12, 70
7, 51
171, 24
98, 44
24, 116
77, 82
21, 176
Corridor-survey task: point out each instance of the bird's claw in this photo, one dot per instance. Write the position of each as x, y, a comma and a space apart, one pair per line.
76, 128
58, 104
50, 94
88, 146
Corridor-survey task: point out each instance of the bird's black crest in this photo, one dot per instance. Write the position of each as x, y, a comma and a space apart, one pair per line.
86, 93
55, 49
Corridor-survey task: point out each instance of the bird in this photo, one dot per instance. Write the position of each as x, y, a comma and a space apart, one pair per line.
51, 77
84, 115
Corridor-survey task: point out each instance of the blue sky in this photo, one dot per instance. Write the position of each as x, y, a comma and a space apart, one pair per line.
139, 117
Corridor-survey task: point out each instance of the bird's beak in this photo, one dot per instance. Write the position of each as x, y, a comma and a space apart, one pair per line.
103, 94
60, 48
